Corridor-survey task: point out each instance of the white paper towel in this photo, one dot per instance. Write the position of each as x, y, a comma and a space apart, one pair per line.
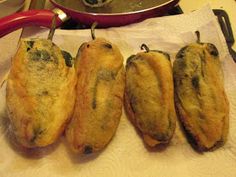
126, 155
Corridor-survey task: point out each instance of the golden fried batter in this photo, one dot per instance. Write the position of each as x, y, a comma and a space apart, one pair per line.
40, 92
149, 96
99, 100
200, 97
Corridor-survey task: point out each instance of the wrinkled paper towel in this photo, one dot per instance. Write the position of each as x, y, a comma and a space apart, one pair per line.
126, 155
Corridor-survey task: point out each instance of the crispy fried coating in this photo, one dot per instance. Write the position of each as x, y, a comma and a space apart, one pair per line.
149, 96
200, 97
99, 99
40, 92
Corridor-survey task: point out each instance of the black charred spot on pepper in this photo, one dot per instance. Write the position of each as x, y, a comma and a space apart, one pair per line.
88, 149
36, 133
132, 108
68, 58
180, 81
214, 53
191, 138
103, 126
45, 55
129, 59
107, 45
102, 75
212, 50
181, 64
217, 144
149, 125
32, 140
40, 55
45, 92
30, 43
133, 103
195, 82
203, 57
36, 55
164, 53
94, 103
162, 137
87, 45
181, 53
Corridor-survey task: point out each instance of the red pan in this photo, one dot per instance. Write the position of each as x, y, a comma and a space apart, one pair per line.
117, 13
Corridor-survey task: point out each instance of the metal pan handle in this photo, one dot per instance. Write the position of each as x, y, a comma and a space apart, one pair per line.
16, 21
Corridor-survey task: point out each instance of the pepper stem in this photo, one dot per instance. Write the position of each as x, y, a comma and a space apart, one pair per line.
93, 30
53, 27
198, 36
145, 47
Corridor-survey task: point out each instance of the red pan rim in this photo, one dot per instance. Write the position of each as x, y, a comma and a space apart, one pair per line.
173, 2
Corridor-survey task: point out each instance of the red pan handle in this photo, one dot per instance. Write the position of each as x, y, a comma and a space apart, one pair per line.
28, 18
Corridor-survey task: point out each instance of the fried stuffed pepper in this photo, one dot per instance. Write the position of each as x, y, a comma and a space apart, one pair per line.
149, 96
99, 91
200, 97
